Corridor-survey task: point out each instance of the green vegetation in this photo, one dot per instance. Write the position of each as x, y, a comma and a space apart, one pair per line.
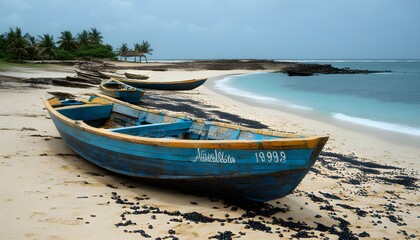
8, 66
17, 47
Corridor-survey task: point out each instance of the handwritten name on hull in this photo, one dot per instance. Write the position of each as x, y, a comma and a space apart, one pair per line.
213, 157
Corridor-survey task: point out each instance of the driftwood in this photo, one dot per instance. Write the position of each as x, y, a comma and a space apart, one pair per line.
58, 82
84, 79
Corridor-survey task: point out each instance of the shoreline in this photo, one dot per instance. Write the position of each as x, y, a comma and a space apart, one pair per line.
356, 188
401, 139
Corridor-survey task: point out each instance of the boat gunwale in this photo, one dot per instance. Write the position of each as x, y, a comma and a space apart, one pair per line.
287, 141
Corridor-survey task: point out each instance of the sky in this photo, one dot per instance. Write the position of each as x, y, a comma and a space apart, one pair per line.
220, 29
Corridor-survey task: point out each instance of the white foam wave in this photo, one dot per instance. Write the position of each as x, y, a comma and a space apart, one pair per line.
300, 107
224, 85
376, 124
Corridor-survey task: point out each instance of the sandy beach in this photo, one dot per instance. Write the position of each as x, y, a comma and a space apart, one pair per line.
361, 187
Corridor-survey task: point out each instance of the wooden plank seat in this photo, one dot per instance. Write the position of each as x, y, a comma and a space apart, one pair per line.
156, 129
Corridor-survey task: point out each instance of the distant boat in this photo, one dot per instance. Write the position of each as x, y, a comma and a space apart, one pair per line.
170, 85
185, 152
89, 74
120, 90
136, 76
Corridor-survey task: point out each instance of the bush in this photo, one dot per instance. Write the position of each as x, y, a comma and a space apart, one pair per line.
95, 51
61, 54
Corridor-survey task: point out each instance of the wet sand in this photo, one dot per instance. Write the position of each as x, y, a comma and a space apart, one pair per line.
358, 189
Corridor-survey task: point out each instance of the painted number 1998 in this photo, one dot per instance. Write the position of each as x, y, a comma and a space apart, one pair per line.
270, 156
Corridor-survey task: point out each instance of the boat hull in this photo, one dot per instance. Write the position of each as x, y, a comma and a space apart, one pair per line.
126, 96
173, 85
240, 179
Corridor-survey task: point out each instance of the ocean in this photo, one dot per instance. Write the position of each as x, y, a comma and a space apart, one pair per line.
388, 101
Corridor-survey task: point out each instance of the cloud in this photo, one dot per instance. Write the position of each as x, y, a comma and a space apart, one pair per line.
233, 28
15, 5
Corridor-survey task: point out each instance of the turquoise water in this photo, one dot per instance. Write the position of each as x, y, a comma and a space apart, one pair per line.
387, 101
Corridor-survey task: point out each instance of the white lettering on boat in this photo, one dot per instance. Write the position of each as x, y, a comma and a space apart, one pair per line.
270, 156
213, 157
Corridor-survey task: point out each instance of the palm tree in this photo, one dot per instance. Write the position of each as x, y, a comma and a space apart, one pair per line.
16, 43
47, 45
95, 36
143, 48
83, 38
12, 35
33, 46
3, 42
137, 48
122, 50
18, 48
67, 42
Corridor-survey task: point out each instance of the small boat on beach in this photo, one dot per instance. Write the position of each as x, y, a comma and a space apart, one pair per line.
120, 90
88, 74
136, 76
170, 85
109, 75
181, 151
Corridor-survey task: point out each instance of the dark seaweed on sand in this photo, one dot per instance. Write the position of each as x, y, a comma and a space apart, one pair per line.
354, 161
62, 95
175, 102
330, 196
159, 97
252, 208
370, 170
227, 235
315, 198
233, 118
406, 181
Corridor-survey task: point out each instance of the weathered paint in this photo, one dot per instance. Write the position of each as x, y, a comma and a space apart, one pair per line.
256, 169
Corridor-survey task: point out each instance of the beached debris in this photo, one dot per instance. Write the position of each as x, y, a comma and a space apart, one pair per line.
197, 217
177, 102
227, 235
82, 79
62, 95
58, 82
93, 65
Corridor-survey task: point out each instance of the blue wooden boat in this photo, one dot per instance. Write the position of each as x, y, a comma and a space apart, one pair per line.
120, 90
170, 85
172, 148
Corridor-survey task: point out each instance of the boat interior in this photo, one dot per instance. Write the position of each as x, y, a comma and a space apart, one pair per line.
124, 119
116, 85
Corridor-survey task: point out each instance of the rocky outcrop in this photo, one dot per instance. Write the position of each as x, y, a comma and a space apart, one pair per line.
302, 69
